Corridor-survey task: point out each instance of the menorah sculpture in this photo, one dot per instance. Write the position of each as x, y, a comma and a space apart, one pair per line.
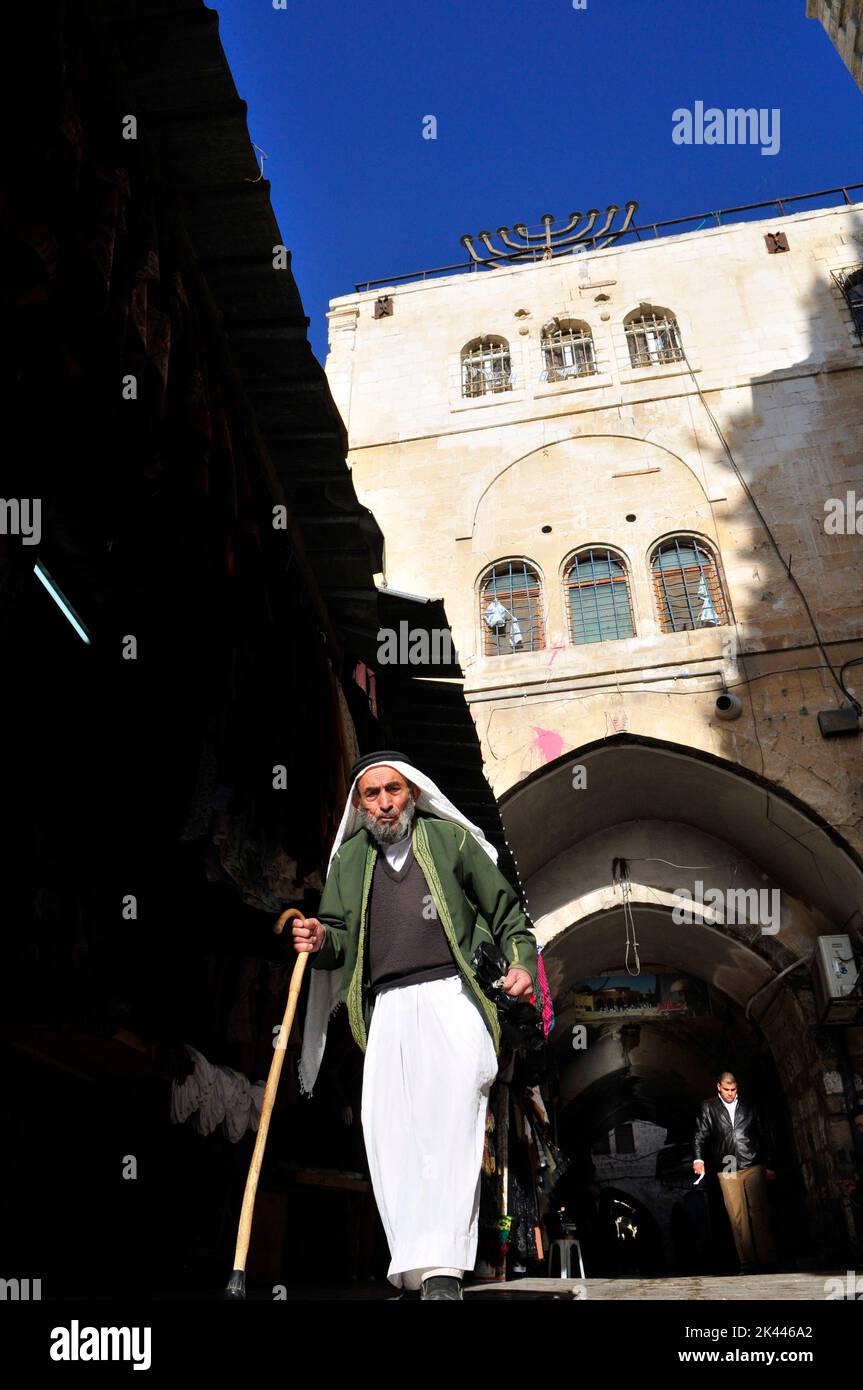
546, 244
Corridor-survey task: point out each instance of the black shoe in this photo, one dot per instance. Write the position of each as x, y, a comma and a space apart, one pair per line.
442, 1287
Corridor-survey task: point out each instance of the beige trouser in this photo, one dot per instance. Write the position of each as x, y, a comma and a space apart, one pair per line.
745, 1197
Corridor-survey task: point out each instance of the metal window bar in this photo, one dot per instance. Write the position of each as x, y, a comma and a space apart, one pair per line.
568, 352
486, 367
850, 283
518, 589
600, 604
653, 338
687, 586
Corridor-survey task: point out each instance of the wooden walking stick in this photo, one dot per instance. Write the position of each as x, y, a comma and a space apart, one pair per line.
236, 1287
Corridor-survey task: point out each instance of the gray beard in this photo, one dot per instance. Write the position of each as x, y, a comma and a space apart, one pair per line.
389, 834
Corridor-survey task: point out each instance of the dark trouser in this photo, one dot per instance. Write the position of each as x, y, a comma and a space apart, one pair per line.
745, 1197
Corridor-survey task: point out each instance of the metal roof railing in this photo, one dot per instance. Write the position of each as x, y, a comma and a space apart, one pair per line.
634, 233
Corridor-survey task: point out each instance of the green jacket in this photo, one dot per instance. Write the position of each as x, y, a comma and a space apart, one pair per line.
473, 900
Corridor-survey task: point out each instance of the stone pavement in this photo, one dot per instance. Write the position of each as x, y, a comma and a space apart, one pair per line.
770, 1288
703, 1288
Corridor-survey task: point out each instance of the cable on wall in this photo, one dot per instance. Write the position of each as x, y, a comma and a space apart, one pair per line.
620, 874
758, 512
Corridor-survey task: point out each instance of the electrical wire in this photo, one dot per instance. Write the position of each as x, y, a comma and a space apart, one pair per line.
855, 704
795, 965
600, 686
655, 859
620, 874
855, 661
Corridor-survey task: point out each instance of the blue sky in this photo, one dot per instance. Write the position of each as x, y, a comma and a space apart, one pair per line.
540, 108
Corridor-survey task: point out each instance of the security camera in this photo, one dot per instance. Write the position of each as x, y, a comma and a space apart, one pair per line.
728, 706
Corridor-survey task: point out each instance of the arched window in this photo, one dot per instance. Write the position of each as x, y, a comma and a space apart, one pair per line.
687, 585
567, 350
511, 609
598, 601
653, 336
486, 367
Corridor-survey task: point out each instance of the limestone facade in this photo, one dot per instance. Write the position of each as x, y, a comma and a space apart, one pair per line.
541, 470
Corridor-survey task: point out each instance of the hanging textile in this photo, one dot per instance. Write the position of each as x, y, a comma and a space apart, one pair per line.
544, 1003
365, 679
521, 1203
216, 1098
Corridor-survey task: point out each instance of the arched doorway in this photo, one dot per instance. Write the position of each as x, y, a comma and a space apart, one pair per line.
620, 846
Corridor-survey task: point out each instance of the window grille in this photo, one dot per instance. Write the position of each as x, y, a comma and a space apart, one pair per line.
511, 610
687, 586
653, 337
600, 608
568, 351
486, 367
850, 283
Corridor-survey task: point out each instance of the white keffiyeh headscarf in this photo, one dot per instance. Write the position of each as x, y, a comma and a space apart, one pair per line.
326, 985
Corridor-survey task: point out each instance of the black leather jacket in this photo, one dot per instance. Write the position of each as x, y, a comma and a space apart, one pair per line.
716, 1141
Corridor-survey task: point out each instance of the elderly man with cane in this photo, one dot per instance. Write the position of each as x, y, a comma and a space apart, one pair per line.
412, 889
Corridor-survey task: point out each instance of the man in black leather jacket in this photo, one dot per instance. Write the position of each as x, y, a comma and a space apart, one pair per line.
730, 1136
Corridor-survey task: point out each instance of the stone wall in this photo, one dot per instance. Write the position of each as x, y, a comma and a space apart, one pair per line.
843, 20
456, 484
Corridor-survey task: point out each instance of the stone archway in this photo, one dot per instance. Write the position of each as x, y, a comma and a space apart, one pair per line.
696, 479
673, 817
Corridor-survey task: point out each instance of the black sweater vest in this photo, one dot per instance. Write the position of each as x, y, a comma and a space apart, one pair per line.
407, 944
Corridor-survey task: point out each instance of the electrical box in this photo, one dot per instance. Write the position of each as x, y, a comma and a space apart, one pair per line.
837, 993
836, 723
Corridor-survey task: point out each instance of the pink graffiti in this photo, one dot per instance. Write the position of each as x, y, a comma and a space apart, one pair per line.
549, 743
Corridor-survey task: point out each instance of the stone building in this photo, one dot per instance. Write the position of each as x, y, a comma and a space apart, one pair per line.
632, 476
843, 20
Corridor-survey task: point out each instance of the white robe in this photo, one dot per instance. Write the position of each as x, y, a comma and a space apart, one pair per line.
429, 1067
